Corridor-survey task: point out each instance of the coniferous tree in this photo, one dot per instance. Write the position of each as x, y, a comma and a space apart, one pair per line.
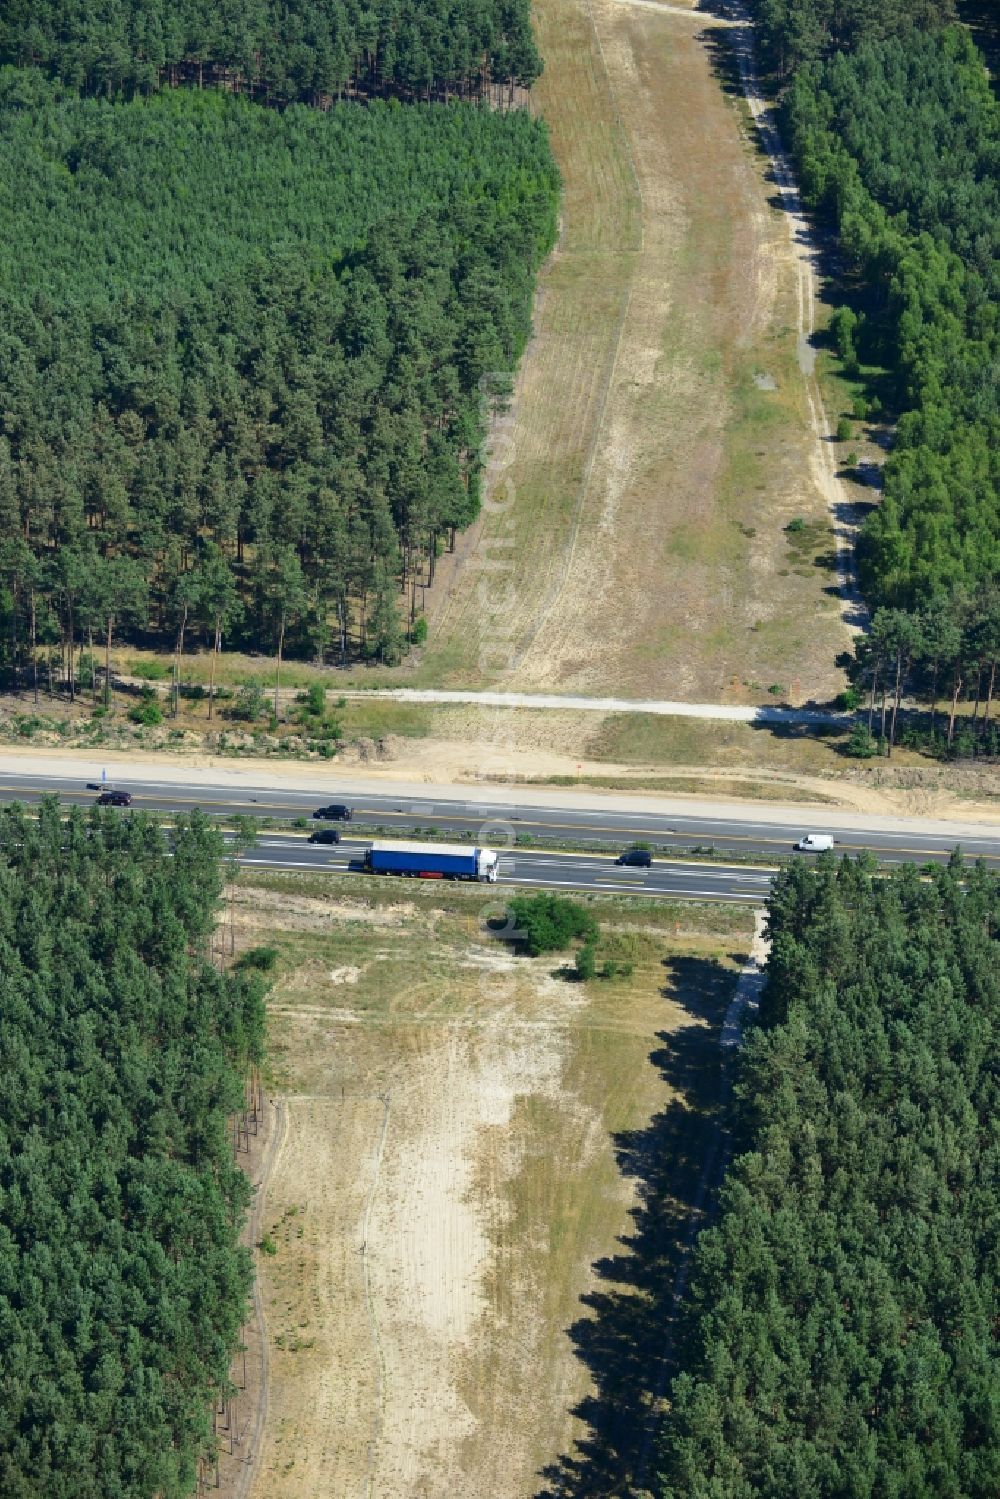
297, 365
123, 1285
840, 1335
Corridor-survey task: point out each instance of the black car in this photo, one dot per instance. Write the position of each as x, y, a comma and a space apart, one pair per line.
335, 812
639, 856
115, 799
325, 835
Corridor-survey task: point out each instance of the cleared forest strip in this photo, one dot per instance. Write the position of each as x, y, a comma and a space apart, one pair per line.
517, 1150
660, 437
563, 384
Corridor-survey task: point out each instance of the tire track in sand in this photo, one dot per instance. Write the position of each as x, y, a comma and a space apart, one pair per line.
844, 516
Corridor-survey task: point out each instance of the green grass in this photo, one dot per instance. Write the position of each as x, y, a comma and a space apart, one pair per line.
649, 739
463, 904
692, 786
372, 718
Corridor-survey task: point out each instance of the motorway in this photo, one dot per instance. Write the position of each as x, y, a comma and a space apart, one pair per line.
678, 839
555, 871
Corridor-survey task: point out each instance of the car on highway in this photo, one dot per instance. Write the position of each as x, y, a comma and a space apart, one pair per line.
335, 812
815, 843
115, 799
325, 835
641, 857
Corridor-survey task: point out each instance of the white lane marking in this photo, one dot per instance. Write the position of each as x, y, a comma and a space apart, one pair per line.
296, 864
610, 820
567, 884
618, 890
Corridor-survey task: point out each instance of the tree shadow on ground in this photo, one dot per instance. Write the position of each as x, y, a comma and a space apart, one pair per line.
625, 1338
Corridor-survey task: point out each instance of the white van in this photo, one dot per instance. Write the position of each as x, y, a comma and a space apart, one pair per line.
815, 843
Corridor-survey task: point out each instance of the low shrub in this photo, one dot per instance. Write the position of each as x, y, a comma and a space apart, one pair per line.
260, 959
148, 714
250, 702
862, 745
86, 671
586, 961
549, 923
149, 671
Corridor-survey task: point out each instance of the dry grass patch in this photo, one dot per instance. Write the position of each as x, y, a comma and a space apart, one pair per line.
695, 785
661, 436
450, 1177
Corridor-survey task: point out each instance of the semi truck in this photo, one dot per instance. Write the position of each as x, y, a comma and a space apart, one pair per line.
433, 861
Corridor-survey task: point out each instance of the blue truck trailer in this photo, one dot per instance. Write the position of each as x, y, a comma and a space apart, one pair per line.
433, 861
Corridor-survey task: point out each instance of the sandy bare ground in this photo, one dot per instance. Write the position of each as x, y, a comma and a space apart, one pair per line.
446, 1182
663, 708
660, 436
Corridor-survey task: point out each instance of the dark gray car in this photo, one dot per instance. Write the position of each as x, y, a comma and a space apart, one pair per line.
638, 856
335, 812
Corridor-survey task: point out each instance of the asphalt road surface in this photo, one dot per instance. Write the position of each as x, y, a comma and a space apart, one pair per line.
555, 871
743, 831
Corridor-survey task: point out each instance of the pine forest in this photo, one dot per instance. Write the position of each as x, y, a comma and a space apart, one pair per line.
894, 131
243, 355
840, 1335
124, 1051
277, 50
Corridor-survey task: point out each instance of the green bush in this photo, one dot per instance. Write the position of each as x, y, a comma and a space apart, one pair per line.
549, 923
776, 689
795, 526
843, 329
250, 702
147, 713
150, 671
418, 630
312, 702
86, 671
848, 700
862, 744
261, 959
586, 961
844, 430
